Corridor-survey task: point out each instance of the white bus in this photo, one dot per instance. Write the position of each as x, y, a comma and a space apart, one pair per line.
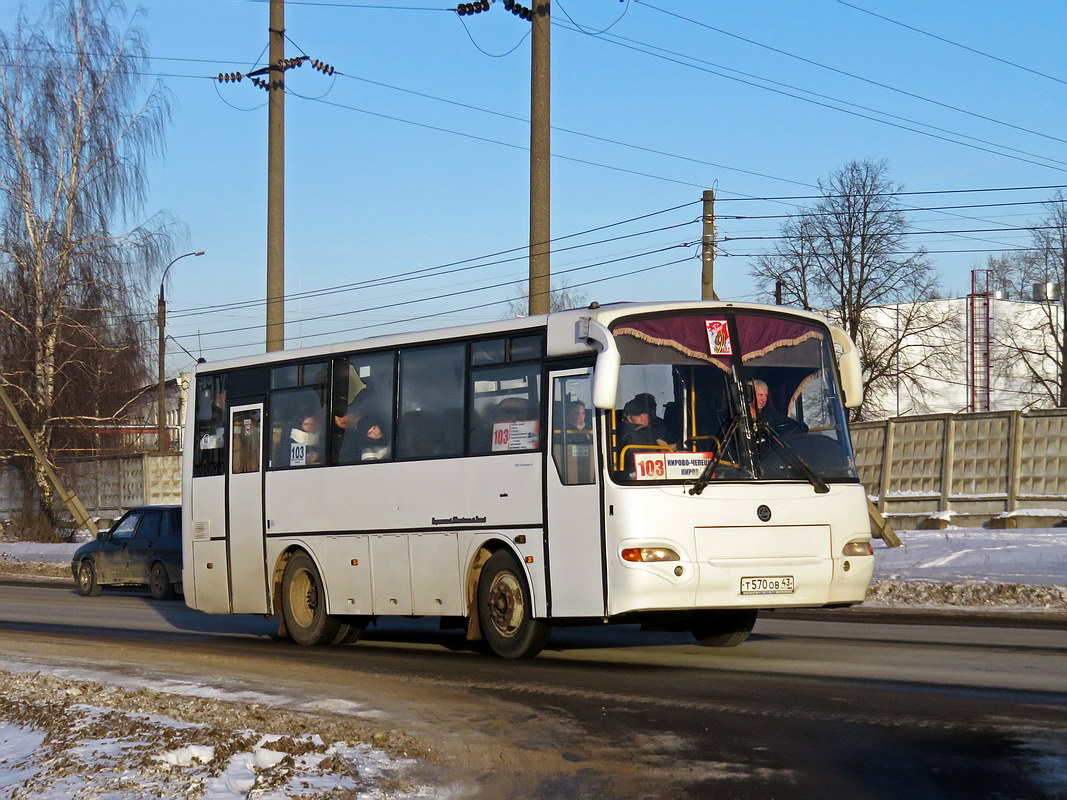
678, 465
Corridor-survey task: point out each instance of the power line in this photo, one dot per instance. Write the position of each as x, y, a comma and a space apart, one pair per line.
846, 73
907, 233
906, 194
907, 209
358, 6
956, 44
571, 131
446, 268
657, 52
448, 294
902, 252
453, 311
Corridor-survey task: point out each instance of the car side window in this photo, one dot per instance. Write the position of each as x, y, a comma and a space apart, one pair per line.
149, 527
172, 524
125, 527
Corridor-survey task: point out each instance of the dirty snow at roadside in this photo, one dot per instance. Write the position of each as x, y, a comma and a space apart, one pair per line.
72, 738
974, 567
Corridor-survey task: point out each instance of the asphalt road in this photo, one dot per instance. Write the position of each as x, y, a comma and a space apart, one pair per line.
806, 708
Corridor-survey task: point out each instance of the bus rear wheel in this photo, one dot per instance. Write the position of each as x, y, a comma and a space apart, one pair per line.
505, 611
304, 604
724, 628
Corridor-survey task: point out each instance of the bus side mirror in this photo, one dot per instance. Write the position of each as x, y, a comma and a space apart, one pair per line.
850, 367
606, 373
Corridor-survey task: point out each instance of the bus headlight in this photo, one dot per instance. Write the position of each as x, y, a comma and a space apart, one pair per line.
858, 549
649, 554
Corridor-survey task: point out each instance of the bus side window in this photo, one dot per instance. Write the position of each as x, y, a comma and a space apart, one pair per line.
572, 430
209, 454
431, 401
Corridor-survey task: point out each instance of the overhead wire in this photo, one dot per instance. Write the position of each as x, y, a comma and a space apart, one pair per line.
446, 268
846, 73
456, 293
712, 69
969, 49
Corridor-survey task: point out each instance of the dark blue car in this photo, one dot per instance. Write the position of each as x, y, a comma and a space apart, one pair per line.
143, 548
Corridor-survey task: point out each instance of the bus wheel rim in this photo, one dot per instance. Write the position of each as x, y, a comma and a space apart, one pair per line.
506, 606
303, 599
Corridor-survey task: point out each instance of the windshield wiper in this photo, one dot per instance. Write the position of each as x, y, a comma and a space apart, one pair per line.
791, 456
708, 475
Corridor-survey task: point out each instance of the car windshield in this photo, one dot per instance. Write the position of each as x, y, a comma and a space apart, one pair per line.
728, 396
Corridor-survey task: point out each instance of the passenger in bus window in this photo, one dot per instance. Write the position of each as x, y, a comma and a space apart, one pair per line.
576, 417
375, 444
361, 432
641, 427
306, 433
762, 409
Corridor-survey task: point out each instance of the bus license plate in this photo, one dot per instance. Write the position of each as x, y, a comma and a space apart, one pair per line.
775, 584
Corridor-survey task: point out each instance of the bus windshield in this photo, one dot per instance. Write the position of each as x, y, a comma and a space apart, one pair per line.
727, 396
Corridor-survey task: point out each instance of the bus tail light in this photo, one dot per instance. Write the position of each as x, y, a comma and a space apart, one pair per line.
858, 549
638, 554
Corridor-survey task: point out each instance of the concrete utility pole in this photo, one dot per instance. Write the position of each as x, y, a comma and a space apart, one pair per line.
540, 284
70, 500
707, 253
276, 180
161, 322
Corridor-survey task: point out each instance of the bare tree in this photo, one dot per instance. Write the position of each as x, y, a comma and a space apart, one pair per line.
561, 298
77, 132
1033, 347
848, 258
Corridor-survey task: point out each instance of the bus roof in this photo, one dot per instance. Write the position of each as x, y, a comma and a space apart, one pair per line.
561, 326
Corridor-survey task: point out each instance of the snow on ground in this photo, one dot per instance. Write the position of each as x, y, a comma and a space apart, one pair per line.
1024, 568
63, 737
69, 734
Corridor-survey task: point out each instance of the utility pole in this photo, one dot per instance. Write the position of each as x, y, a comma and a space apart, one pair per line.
276, 179
70, 500
707, 254
540, 284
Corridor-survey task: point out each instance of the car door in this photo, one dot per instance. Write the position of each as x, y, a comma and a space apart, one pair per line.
142, 546
113, 556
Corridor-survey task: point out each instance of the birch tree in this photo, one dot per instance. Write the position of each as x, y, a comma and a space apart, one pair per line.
77, 131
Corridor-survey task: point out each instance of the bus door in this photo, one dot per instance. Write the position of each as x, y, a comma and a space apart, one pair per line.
244, 511
575, 549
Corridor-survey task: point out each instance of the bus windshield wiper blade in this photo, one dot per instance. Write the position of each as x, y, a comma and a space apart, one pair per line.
793, 458
708, 475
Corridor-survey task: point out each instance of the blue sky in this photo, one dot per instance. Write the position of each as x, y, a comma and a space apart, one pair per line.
382, 178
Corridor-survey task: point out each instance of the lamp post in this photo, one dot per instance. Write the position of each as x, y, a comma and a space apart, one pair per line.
161, 321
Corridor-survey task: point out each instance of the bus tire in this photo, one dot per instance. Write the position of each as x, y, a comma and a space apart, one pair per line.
88, 586
724, 628
159, 583
350, 629
304, 603
505, 611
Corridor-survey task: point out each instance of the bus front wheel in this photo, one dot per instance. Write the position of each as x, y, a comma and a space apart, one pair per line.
304, 603
506, 612
725, 628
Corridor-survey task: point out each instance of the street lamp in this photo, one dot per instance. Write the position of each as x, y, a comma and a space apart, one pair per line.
161, 320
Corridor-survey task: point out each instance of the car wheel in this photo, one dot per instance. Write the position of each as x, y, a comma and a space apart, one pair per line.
304, 604
505, 611
87, 584
724, 628
159, 582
